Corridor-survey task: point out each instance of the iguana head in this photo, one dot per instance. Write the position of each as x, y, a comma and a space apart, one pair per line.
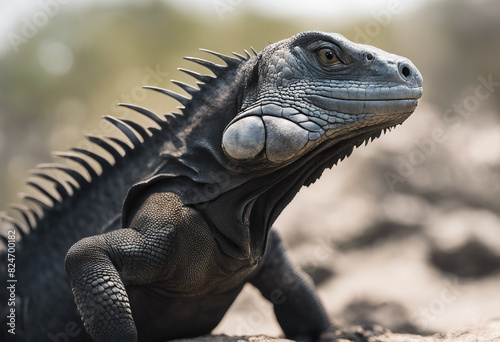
318, 89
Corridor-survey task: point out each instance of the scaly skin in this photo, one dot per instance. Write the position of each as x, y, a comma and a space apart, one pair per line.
197, 225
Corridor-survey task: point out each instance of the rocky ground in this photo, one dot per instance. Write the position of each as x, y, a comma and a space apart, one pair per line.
481, 332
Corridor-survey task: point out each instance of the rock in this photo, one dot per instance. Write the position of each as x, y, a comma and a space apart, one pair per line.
391, 315
380, 232
472, 260
465, 242
318, 274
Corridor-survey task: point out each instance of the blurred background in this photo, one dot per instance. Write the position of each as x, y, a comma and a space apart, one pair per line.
405, 233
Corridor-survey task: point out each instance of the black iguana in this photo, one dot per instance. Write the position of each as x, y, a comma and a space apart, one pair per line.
202, 192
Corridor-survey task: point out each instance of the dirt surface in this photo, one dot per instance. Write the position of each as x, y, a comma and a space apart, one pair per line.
481, 332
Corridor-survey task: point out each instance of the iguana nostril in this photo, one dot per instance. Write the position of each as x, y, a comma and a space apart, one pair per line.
408, 73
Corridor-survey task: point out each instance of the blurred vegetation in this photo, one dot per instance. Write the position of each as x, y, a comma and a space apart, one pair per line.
113, 47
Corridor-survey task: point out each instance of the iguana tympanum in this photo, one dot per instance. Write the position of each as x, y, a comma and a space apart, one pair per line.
202, 191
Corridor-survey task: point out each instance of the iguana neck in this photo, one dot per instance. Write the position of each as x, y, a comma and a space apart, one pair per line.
240, 207
251, 207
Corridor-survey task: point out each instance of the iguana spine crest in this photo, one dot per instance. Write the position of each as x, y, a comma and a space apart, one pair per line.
36, 208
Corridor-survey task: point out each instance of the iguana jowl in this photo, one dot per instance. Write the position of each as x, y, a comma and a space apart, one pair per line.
205, 189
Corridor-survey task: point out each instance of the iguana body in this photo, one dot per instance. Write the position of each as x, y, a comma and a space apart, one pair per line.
205, 189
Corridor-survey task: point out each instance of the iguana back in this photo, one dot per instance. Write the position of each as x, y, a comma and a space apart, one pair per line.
50, 222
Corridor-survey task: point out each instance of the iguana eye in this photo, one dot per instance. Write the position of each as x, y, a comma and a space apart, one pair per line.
327, 56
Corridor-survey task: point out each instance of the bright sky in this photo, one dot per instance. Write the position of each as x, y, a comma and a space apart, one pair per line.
12, 13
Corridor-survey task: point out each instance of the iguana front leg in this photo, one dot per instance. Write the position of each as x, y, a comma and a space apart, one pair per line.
296, 304
100, 267
99, 289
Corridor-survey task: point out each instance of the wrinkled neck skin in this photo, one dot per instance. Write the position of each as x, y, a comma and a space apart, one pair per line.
224, 192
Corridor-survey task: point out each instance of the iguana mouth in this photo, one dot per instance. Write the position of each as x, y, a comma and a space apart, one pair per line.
357, 92
354, 106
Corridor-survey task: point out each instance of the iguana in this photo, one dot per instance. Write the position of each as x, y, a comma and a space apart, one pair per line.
202, 189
